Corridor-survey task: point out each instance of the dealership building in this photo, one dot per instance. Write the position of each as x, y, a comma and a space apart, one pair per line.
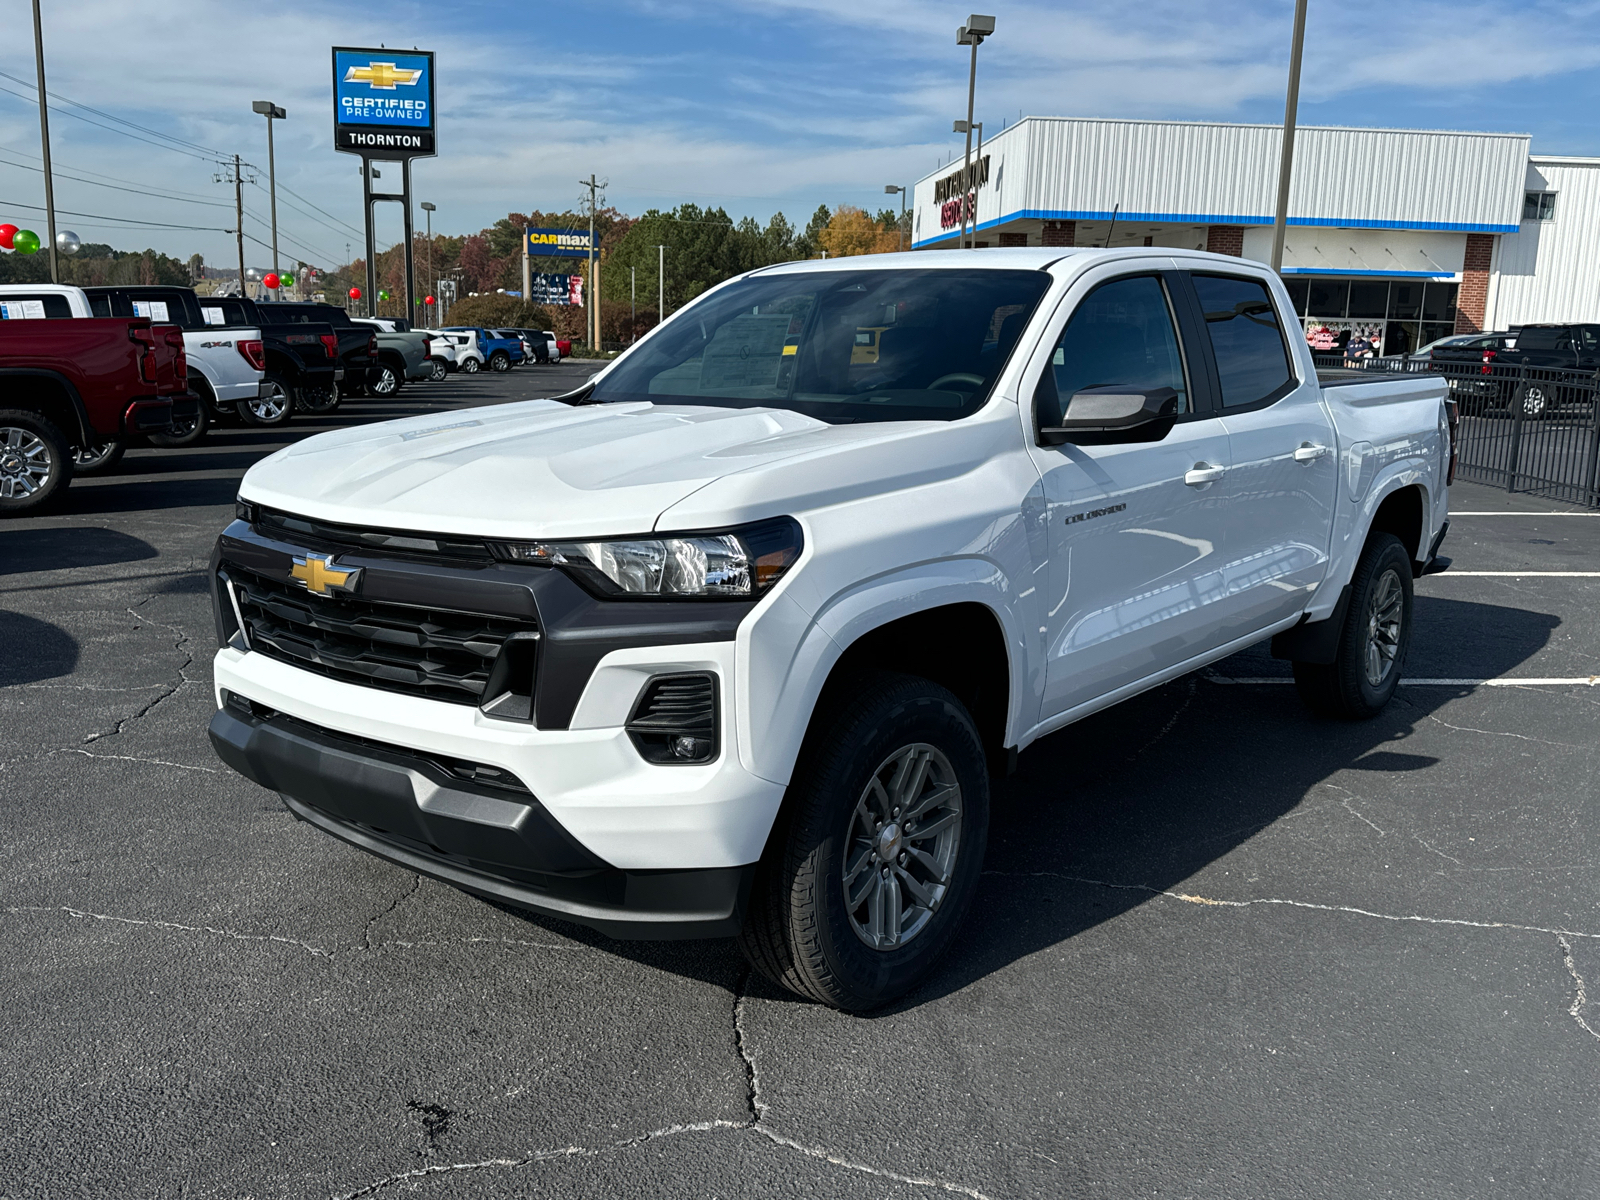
1398, 236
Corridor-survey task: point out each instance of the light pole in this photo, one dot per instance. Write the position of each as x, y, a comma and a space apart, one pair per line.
889, 190
661, 284
430, 209
44, 143
1280, 220
271, 112
976, 174
971, 34
633, 300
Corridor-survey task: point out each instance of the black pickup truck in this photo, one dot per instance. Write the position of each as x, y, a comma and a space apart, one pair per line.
1528, 372
302, 360
358, 344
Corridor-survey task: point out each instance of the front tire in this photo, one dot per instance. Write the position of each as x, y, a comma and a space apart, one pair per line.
272, 408
35, 462
872, 867
1372, 645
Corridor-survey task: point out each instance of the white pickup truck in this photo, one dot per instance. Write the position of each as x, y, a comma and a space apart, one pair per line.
225, 365
731, 640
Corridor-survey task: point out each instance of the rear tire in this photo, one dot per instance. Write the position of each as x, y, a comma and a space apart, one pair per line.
35, 462
270, 410
383, 380
186, 431
100, 459
441, 369
854, 903
319, 398
500, 361
471, 366
1372, 645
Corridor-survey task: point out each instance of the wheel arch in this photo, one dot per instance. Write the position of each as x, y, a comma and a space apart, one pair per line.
53, 396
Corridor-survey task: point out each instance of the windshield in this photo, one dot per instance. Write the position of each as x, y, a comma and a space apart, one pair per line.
843, 347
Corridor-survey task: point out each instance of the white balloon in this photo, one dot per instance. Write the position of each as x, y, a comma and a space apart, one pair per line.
68, 242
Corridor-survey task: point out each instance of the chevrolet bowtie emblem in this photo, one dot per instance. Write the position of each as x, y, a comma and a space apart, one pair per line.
383, 75
320, 576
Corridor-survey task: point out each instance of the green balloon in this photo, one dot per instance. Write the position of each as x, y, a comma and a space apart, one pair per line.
382, 295
286, 279
26, 242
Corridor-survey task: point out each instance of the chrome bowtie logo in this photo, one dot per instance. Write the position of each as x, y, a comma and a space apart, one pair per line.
319, 575
383, 75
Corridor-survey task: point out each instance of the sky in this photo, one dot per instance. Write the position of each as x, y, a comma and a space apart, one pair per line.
757, 108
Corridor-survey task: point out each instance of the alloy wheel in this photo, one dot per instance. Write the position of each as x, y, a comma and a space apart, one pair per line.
87, 458
900, 855
1534, 401
1385, 612
24, 462
439, 372
385, 383
470, 366
270, 407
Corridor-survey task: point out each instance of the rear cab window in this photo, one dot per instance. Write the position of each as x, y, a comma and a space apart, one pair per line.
1246, 339
42, 307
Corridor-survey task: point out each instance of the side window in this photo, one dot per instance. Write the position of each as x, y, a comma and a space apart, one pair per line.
1252, 364
1591, 338
1120, 333
100, 304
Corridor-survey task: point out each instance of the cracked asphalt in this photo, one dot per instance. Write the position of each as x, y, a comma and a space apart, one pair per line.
1224, 949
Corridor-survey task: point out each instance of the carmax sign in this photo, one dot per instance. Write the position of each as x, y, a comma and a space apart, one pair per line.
558, 243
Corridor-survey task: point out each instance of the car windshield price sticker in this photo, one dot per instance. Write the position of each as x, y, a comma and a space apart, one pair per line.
22, 310
156, 310
745, 353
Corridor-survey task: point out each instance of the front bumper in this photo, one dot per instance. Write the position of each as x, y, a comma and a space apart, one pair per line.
415, 810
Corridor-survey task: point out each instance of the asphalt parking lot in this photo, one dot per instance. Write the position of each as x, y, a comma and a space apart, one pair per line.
1224, 949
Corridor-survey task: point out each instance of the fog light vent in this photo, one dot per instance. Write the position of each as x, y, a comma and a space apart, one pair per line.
675, 720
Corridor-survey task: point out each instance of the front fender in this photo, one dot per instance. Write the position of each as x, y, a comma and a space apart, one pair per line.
788, 654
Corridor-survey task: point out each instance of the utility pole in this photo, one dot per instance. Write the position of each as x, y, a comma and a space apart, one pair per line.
661, 284
1280, 221
238, 217
592, 301
633, 300
44, 141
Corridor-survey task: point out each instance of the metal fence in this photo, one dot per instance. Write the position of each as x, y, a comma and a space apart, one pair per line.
1525, 429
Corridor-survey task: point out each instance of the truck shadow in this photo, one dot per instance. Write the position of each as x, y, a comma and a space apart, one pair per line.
32, 650
1137, 799
55, 548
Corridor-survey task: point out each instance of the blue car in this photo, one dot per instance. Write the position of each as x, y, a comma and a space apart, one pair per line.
499, 352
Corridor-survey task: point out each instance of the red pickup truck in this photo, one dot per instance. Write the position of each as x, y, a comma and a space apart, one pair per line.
67, 386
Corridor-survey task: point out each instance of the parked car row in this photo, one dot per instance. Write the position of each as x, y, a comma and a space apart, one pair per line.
88, 371
1536, 370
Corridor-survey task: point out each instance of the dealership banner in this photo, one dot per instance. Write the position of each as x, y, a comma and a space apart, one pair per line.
1354, 339
558, 243
556, 289
383, 102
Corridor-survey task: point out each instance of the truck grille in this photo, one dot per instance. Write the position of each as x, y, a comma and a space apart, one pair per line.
434, 653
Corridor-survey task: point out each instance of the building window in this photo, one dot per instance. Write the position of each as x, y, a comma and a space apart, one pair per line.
1538, 206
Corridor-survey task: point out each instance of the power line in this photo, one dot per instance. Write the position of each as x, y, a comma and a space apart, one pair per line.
324, 212
60, 174
119, 120
99, 174
310, 217
120, 220
67, 112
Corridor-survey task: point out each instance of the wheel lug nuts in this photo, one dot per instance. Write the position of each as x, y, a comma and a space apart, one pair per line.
902, 860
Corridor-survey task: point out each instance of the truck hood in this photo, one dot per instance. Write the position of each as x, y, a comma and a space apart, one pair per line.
529, 470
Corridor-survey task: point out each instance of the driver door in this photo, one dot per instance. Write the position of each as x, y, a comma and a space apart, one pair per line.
1136, 527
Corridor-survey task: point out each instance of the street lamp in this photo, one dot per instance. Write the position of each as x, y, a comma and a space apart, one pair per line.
977, 157
430, 209
271, 112
971, 34
889, 190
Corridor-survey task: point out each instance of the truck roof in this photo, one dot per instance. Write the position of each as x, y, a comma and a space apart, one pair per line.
1004, 258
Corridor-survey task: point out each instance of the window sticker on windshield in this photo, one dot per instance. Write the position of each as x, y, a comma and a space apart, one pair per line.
745, 353
156, 310
213, 316
22, 310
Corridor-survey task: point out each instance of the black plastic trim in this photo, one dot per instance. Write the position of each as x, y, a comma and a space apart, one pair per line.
492, 842
1314, 641
86, 433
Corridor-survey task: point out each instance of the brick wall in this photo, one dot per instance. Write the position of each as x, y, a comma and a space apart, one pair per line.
1013, 239
1225, 239
1473, 297
1059, 233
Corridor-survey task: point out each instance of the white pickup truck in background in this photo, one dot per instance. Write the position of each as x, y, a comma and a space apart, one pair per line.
731, 640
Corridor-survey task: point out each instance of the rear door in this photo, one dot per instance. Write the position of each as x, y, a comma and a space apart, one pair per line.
1284, 478
1136, 527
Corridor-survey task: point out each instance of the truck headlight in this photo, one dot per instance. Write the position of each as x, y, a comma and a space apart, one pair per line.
734, 564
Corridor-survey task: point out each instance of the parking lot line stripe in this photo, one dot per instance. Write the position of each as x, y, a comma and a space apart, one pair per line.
1511, 512
1518, 574
1502, 681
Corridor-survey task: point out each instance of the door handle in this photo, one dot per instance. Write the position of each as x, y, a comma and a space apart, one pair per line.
1309, 452
1203, 473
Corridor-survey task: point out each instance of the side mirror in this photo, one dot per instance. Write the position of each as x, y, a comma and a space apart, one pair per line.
1113, 413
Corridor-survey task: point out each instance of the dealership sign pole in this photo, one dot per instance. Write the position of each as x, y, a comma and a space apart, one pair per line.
1280, 220
383, 111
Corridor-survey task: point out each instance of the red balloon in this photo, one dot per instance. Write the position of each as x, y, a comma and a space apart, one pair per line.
7, 232
428, 300
271, 281
355, 293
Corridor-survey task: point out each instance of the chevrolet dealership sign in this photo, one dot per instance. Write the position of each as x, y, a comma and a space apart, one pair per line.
383, 102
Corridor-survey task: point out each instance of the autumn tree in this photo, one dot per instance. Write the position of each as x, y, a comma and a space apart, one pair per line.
851, 231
